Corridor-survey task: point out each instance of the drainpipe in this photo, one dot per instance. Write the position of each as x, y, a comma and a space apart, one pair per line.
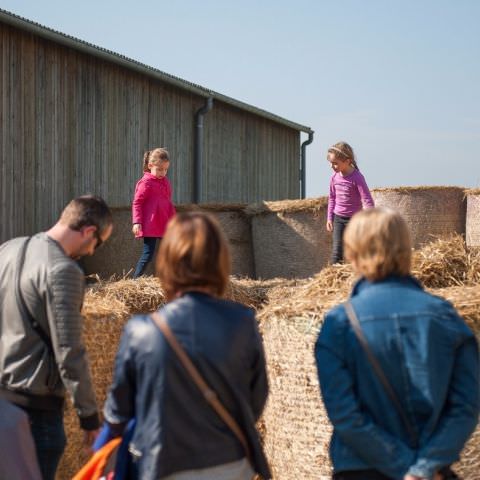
198, 150
303, 164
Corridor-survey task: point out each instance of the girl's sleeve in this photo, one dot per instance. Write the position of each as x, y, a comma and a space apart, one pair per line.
331, 201
365, 194
138, 199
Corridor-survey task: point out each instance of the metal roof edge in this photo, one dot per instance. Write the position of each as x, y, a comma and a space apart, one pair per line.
89, 48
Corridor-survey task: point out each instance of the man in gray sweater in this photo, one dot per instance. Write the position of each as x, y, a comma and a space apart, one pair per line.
41, 351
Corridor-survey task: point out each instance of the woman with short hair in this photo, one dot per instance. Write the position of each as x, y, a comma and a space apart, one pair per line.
425, 351
178, 435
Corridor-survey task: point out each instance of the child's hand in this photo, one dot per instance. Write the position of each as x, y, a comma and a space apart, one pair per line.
329, 226
137, 228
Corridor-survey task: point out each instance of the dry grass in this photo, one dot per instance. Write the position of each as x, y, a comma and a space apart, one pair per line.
417, 188
288, 206
141, 295
447, 262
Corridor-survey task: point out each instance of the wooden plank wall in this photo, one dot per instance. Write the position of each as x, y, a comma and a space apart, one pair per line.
71, 123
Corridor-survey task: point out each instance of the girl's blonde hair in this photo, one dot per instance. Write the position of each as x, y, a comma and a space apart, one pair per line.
155, 156
193, 254
344, 151
377, 241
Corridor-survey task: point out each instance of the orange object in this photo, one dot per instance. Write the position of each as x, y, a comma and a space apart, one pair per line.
94, 468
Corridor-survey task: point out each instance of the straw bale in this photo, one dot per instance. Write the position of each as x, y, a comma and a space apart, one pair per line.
257, 293
119, 255
290, 239
138, 295
101, 334
296, 442
429, 211
472, 227
313, 205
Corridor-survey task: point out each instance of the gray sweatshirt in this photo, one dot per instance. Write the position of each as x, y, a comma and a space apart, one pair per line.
53, 288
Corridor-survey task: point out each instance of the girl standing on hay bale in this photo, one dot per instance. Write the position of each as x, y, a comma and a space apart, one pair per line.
152, 206
181, 432
348, 194
398, 367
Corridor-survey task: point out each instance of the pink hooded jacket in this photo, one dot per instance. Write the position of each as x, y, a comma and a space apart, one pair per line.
152, 205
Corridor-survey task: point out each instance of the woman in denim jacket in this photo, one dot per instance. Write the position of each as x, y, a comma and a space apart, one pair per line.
427, 352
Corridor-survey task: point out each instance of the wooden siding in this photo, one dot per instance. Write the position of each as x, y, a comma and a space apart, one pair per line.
72, 124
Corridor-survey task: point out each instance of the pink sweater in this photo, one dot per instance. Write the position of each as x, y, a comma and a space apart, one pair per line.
152, 205
348, 195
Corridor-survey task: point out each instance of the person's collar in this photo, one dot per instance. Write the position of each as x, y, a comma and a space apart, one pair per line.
363, 284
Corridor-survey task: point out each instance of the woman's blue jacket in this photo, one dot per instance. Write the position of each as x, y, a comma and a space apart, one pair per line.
429, 356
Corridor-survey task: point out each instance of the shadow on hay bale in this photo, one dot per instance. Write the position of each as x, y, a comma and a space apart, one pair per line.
120, 254
472, 225
289, 238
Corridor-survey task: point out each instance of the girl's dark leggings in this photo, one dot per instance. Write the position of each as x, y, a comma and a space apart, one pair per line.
339, 224
149, 244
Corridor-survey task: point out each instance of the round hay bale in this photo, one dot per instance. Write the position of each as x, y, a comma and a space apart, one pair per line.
296, 430
429, 211
119, 255
289, 238
236, 226
101, 335
472, 227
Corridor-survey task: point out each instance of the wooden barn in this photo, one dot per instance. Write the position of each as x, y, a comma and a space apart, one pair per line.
76, 118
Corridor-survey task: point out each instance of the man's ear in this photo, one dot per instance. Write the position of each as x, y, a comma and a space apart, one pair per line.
88, 230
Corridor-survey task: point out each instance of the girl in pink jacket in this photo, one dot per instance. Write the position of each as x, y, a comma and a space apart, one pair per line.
152, 206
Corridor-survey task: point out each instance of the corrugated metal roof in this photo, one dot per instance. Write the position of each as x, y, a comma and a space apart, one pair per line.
77, 44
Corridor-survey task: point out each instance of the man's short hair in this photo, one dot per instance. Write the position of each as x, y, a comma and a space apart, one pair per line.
85, 211
378, 241
193, 254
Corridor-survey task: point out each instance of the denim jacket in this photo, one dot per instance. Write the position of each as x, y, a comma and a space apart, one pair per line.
430, 358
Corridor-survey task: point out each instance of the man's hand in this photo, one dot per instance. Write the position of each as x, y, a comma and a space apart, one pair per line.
329, 226
89, 437
137, 228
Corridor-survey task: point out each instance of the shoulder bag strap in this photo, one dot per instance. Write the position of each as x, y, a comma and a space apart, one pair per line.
21, 301
210, 395
354, 322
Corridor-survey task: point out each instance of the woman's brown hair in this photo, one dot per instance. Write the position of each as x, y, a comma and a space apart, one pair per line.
155, 156
193, 254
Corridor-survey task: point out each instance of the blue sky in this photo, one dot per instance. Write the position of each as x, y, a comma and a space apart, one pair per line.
398, 80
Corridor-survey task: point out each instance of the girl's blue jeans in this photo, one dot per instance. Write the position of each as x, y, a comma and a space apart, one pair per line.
339, 225
149, 244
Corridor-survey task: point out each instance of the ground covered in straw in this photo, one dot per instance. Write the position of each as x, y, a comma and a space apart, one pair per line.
290, 313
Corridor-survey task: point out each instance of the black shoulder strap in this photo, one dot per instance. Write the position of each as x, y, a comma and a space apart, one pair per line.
21, 301
353, 319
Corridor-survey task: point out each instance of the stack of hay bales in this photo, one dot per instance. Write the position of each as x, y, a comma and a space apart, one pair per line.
106, 309
429, 211
289, 238
119, 255
296, 441
472, 227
